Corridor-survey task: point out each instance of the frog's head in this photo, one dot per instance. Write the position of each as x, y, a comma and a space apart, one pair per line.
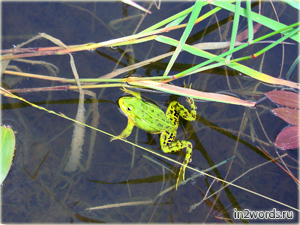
126, 104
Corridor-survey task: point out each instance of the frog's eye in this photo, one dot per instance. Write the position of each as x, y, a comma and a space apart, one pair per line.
128, 109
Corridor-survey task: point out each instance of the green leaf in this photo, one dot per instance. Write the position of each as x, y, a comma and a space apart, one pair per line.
249, 20
293, 66
7, 150
195, 13
168, 20
177, 21
235, 27
272, 24
293, 3
239, 67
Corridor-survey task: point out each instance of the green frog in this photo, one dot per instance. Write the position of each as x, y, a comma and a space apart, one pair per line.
151, 118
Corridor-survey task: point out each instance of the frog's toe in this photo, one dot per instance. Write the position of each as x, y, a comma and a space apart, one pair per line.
181, 174
180, 179
123, 89
114, 138
185, 85
190, 101
177, 182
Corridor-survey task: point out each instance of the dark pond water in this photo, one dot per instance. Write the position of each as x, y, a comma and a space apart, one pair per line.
39, 189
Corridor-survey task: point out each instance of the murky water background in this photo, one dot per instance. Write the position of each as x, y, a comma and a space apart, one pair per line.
38, 189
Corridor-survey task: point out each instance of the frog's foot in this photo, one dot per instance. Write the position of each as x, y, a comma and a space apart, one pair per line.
135, 94
184, 85
126, 132
181, 175
191, 103
191, 100
114, 138
188, 158
125, 90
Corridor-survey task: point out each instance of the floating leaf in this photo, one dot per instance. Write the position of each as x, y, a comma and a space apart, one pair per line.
291, 116
7, 150
285, 98
288, 138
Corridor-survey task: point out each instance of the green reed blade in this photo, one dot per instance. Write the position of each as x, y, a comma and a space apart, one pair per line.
272, 24
293, 3
177, 21
198, 52
249, 20
255, 55
295, 63
292, 33
194, 15
168, 20
243, 69
235, 27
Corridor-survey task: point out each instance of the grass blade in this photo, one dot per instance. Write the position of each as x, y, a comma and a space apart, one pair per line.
243, 69
235, 27
249, 20
195, 13
168, 20
272, 24
292, 67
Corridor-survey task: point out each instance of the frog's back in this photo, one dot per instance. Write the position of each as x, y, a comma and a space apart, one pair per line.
145, 115
152, 119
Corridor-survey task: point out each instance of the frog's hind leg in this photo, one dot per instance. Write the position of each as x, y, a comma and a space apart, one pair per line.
170, 145
175, 110
167, 141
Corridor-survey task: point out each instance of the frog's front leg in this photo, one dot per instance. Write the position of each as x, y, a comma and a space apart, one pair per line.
126, 132
170, 145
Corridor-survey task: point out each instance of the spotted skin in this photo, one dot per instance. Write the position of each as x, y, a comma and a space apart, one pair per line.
151, 118
167, 138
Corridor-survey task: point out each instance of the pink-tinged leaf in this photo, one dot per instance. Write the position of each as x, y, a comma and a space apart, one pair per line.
290, 116
285, 98
288, 138
207, 96
244, 34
